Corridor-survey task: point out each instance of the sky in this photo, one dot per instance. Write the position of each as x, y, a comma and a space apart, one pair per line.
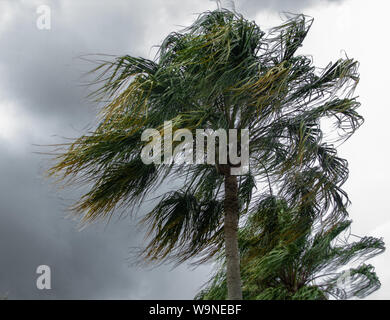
42, 100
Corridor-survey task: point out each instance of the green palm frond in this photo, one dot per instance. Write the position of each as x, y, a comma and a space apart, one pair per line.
285, 257
223, 71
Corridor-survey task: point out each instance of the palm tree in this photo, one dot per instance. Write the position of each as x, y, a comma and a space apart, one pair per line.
222, 72
277, 263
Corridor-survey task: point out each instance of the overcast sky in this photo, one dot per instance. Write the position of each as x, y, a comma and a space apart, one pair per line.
41, 100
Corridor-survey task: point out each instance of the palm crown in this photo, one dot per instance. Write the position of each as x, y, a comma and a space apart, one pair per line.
222, 72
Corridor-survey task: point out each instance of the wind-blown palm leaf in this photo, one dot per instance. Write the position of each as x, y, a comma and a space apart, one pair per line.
221, 72
279, 264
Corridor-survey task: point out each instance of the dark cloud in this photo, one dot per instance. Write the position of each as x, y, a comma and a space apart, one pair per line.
40, 76
41, 69
90, 264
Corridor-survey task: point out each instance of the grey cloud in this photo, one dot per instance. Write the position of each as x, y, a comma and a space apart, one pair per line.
41, 69
91, 264
40, 74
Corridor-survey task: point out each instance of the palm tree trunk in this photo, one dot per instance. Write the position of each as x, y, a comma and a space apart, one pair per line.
233, 276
